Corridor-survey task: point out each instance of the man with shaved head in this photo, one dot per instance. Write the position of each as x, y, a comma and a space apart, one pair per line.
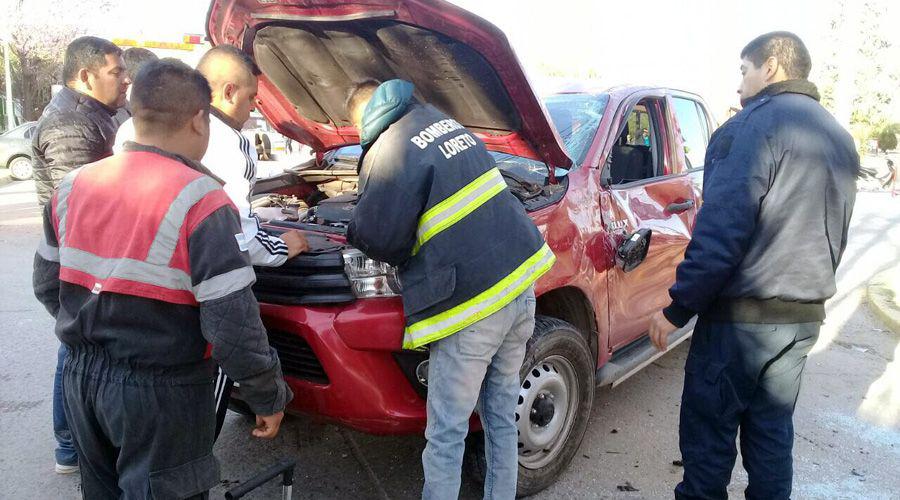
232, 76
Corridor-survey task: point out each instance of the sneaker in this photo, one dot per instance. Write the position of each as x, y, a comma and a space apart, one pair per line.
66, 469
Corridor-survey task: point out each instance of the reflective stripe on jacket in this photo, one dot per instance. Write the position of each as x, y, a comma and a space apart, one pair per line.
138, 248
433, 203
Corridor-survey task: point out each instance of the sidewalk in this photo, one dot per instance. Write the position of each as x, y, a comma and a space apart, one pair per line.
884, 297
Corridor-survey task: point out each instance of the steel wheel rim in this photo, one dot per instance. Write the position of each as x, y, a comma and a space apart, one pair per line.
20, 168
542, 432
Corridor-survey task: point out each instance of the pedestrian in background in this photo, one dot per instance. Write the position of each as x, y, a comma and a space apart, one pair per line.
891, 178
77, 128
135, 58
779, 188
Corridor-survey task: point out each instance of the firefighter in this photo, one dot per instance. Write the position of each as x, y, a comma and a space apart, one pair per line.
141, 266
433, 203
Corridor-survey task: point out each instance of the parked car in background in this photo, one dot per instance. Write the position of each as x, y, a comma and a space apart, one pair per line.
15, 151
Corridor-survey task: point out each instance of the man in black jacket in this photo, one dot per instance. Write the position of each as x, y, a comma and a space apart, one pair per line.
778, 192
77, 128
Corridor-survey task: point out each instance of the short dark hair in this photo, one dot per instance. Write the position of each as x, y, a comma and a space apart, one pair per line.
166, 94
87, 52
784, 46
360, 92
135, 58
232, 53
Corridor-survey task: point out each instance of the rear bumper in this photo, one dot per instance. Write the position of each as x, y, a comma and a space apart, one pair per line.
340, 363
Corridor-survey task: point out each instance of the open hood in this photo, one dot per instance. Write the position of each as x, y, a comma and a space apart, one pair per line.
312, 52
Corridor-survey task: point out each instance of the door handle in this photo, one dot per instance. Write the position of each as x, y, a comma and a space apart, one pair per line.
677, 208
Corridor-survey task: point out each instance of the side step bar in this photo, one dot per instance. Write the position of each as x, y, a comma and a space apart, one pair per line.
635, 356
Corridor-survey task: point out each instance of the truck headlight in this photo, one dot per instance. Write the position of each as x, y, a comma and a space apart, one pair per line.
370, 278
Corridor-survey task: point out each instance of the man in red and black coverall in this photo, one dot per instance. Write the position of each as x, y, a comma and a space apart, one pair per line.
142, 269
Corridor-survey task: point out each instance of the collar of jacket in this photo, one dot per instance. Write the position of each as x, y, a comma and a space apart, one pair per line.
224, 118
77, 97
388, 104
798, 86
134, 146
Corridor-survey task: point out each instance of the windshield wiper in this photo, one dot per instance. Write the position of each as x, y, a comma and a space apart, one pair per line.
524, 189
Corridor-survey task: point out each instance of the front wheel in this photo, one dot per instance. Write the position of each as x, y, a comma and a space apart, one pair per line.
21, 168
553, 408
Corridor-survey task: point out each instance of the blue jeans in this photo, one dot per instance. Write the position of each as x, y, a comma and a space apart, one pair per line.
65, 449
477, 366
741, 377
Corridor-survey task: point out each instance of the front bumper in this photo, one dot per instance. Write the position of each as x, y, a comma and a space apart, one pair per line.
341, 363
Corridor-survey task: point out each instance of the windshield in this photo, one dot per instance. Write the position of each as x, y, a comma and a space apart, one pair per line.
345, 157
576, 118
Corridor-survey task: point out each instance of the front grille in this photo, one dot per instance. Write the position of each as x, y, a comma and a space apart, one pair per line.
308, 279
297, 358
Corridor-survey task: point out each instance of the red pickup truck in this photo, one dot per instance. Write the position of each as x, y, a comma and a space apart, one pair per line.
612, 179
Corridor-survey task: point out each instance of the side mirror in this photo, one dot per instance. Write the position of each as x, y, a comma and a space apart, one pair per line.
633, 250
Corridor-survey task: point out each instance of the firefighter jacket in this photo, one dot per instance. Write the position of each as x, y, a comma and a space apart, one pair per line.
433, 203
142, 267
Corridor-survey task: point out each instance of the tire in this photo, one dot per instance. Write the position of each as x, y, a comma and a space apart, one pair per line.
558, 362
20, 168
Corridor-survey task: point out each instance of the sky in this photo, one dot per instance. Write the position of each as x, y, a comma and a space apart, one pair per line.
692, 45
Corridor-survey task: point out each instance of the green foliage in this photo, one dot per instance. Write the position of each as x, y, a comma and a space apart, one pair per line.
887, 138
861, 71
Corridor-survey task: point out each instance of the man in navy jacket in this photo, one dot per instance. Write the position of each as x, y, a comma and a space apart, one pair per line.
779, 188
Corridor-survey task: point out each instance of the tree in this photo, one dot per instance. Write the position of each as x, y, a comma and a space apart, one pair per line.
887, 138
38, 32
861, 73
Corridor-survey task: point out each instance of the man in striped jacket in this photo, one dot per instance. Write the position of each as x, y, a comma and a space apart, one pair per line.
232, 75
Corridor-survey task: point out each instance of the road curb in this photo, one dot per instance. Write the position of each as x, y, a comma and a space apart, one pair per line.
884, 297
5, 178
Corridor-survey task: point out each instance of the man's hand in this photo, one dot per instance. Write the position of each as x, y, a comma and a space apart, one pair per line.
660, 328
267, 427
295, 242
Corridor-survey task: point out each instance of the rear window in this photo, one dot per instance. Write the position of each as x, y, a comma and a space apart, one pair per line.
576, 117
20, 131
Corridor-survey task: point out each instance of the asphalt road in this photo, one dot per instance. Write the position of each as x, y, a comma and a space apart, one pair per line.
847, 421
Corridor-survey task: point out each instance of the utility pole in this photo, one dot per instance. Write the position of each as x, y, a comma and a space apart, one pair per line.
10, 110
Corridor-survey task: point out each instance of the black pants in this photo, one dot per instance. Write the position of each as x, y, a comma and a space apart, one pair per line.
140, 434
745, 377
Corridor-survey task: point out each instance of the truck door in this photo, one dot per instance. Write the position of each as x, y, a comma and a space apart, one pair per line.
649, 188
694, 127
